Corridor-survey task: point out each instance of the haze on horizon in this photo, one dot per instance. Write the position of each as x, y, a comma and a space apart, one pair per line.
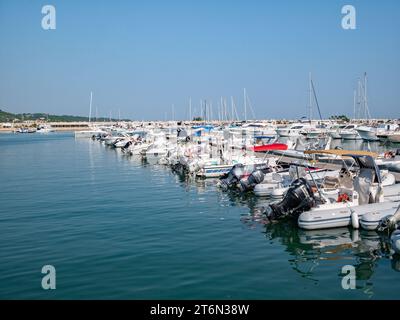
142, 57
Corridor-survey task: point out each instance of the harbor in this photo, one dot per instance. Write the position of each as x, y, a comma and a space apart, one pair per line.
128, 209
200, 159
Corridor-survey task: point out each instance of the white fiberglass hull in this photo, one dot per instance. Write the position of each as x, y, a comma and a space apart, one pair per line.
367, 135
350, 135
393, 138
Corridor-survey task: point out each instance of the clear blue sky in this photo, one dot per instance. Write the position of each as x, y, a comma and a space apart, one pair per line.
143, 56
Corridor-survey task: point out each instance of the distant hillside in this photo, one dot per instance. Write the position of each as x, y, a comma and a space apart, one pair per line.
10, 117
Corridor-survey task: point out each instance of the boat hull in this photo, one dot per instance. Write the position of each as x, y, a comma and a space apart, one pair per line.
341, 217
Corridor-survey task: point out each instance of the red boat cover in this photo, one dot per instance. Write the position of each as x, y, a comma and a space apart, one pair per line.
269, 147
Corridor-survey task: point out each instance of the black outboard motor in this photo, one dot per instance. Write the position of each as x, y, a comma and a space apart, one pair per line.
232, 177
256, 177
397, 152
299, 198
126, 146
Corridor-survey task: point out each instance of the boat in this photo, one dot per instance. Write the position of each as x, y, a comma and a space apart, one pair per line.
351, 198
368, 133
395, 241
270, 147
25, 130
334, 131
349, 133
90, 133
293, 130
393, 137
44, 129
384, 130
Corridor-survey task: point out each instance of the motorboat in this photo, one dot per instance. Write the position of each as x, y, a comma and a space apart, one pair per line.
394, 137
349, 133
334, 131
89, 133
293, 130
368, 133
44, 129
350, 199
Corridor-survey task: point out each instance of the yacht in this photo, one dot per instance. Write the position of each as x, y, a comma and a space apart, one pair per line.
349, 133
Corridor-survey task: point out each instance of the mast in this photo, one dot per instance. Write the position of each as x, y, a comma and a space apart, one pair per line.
365, 97
310, 97
245, 104
190, 109
90, 106
232, 109
354, 104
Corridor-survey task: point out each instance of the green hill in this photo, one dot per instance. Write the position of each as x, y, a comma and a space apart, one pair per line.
10, 117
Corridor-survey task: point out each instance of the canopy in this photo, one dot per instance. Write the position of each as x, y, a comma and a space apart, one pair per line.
339, 152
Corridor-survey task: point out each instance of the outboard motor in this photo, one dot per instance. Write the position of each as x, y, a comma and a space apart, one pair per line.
256, 177
391, 222
126, 146
395, 241
299, 198
232, 177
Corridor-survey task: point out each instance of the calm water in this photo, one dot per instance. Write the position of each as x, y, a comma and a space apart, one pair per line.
116, 228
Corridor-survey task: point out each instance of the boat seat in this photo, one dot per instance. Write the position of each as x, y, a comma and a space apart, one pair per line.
331, 182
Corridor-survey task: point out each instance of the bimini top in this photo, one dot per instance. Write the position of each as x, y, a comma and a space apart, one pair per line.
339, 152
364, 159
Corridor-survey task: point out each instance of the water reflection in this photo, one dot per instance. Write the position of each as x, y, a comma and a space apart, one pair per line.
312, 248
309, 251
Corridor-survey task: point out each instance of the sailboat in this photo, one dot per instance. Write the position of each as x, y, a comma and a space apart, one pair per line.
92, 131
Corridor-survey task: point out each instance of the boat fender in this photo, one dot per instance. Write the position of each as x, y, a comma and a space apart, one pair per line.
354, 220
355, 235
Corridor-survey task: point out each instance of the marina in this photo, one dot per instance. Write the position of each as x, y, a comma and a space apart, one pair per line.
136, 208
199, 158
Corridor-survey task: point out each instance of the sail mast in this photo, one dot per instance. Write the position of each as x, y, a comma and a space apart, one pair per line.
90, 106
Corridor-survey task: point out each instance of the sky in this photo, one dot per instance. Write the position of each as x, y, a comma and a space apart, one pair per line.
140, 58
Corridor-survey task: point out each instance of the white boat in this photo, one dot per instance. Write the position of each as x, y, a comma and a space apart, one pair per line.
386, 129
44, 129
89, 133
394, 137
368, 133
349, 133
365, 196
334, 131
293, 130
